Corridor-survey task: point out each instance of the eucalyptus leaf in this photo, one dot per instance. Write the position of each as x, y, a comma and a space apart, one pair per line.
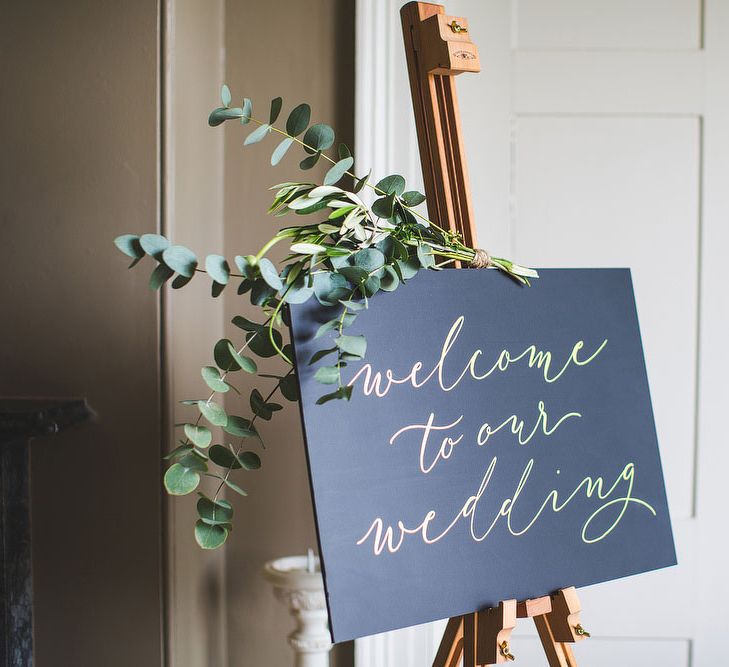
289, 388
218, 268
214, 512
270, 274
341, 393
298, 120
412, 198
257, 135
276, 104
223, 457
210, 537
153, 244
129, 244
384, 206
180, 281
179, 481
161, 274
247, 111
213, 412
198, 435
327, 374
249, 460
239, 427
318, 137
338, 171
280, 150
221, 114
212, 378
180, 259
234, 487
310, 161
223, 357
354, 345
394, 184
225, 96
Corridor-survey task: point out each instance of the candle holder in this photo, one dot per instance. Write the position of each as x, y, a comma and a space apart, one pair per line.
298, 583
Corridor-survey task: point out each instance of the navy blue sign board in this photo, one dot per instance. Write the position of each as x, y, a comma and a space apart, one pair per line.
499, 444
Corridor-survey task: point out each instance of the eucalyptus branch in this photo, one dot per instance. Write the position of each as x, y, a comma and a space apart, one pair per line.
342, 261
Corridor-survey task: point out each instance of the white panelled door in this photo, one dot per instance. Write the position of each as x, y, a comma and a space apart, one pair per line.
598, 135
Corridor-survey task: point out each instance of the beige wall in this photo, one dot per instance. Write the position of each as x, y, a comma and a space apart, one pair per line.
79, 166
193, 322
303, 52
81, 159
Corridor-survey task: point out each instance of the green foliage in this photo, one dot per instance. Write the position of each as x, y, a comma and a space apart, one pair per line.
346, 255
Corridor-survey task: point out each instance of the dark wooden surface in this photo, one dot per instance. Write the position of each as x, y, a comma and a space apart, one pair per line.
20, 420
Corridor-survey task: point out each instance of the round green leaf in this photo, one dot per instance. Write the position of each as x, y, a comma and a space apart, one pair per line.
392, 184
223, 457
198, 435
129, 244
409, 267
310, 161
153, 244
390, 281
412, 198
180, 259
327, 375
239, 427
246, 363
269, 273
210, 537
354, 345
319, 137
260, 343
218, 268
344, 151
425, 256
214, 512
223, 358
179, 481
213, 412
298, 119
370, 259
212, 378
250, 460
384, 206
290, 388
329, 288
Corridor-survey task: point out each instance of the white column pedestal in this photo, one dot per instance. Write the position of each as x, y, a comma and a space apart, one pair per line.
298, 583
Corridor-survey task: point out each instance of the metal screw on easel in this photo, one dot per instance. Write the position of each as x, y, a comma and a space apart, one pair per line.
457, 27
581, 631
504, 650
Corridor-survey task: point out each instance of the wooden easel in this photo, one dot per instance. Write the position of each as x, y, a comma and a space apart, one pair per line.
438, 47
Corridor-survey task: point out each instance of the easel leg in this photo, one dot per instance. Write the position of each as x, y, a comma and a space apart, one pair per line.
451, 646
558, 654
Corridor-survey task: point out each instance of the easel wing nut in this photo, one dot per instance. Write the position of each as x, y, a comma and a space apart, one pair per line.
445, 50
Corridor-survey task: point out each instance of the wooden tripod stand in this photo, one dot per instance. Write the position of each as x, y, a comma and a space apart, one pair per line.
438, 47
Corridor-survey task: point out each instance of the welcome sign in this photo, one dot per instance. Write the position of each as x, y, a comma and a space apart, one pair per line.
499, 444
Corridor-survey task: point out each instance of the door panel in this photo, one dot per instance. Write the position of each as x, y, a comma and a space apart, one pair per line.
598, 135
